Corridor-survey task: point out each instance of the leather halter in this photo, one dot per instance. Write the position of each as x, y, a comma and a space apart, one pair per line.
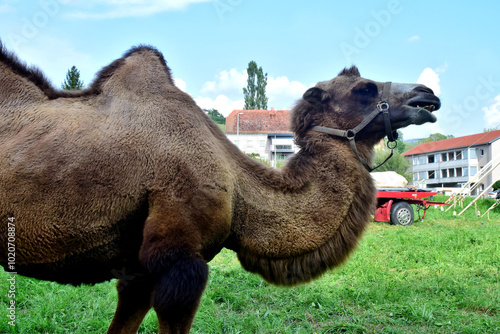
382, 107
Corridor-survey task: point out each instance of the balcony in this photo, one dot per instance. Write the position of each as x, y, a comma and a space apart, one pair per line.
282, 148
456, 179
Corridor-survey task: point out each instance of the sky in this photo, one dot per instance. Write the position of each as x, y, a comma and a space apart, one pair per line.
451, 46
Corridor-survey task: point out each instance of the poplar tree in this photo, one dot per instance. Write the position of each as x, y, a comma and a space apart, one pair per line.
255, 92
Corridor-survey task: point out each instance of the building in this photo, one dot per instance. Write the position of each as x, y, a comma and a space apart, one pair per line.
451, 163
265, 133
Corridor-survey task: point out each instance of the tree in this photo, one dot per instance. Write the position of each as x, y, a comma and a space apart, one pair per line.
435, 137
72, 81
216, 116
401, 147
397, 163
496, 185
255, 92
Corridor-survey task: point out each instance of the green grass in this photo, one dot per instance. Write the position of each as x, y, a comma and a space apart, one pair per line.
480, 207
436, 276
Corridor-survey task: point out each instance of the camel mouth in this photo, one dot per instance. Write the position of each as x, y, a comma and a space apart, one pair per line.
422, 108
430, 103
430, 107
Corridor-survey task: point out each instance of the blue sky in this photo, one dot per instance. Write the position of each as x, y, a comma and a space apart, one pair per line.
453, 47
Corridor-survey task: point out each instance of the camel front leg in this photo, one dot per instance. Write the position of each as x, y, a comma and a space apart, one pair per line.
135, 299
178, 292
170, 252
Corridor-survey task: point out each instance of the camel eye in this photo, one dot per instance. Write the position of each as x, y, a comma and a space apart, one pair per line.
366, 89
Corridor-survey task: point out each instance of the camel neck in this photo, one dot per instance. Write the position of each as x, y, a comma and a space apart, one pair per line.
312, 189
297, 219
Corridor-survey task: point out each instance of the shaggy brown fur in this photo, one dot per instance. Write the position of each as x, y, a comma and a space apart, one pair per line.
129, 178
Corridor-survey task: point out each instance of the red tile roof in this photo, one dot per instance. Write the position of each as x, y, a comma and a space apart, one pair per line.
259, 121
446, 144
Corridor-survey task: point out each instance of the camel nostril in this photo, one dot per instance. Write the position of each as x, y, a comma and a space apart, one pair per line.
423, 89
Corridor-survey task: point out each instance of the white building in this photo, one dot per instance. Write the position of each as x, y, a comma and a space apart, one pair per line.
265, 133
451, 163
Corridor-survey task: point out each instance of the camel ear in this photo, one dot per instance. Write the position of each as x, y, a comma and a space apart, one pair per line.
316, 95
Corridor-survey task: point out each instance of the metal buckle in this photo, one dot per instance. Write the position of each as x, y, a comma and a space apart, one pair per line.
382, 105
390, 143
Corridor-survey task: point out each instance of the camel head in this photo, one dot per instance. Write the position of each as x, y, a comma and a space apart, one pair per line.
346, 101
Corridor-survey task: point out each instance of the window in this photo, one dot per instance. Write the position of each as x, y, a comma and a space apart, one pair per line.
415, 176
451, 172
430, 159
459, 172
466, 170
444, 157
422, 160
444, 173
473, 170
283, 147
465, 154
431, 174
481, 152
458, 155
262, 143
451, 156
473, 154
422, 175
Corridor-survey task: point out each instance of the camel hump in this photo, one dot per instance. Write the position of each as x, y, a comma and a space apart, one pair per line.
20, 82
142, 69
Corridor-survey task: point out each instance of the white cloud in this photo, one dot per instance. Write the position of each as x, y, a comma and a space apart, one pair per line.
430, 78
222, 103
110, 9
226, 82
492, 114
282, 92
181, 84
414, 38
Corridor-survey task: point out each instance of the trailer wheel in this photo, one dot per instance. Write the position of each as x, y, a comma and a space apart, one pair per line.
402, 214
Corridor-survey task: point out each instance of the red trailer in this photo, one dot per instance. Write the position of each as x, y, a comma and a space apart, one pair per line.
394, 204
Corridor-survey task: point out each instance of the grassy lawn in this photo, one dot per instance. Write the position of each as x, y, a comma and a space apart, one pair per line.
436, 276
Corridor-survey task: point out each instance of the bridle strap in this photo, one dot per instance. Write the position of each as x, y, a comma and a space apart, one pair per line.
382, 107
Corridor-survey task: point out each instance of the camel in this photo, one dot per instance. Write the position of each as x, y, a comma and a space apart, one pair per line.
129, 178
